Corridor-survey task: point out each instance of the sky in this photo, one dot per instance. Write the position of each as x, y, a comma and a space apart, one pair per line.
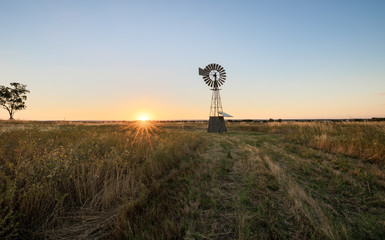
120, 60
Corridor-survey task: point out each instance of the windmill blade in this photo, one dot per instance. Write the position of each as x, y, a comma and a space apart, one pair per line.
220, 75
213, 65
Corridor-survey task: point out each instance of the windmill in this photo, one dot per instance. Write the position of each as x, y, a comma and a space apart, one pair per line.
214, 75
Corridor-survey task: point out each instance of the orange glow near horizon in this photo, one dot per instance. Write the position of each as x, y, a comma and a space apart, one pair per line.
143, 115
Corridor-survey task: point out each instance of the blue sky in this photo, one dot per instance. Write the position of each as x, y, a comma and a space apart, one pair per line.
116, 60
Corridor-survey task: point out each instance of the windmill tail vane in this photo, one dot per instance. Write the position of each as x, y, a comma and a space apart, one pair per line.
214, 75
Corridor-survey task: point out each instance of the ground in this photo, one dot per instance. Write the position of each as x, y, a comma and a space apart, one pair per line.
176, 181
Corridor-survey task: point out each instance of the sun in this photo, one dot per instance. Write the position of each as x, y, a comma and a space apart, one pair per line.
143, 118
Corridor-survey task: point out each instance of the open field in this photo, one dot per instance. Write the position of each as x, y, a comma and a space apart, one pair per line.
173, 180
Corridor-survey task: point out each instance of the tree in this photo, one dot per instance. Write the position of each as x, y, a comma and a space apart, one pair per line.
13, 98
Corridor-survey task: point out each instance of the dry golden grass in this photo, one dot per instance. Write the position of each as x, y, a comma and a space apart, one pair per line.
364, 140
81, 180
175, 181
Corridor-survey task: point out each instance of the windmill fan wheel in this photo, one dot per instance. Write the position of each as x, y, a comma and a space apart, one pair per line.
216, 75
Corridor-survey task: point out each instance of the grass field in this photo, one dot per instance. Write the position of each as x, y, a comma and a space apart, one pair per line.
146, 180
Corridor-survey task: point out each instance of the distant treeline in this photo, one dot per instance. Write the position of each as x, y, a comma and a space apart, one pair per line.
374, 119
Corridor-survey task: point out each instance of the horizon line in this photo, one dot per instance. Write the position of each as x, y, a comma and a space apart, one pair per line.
200, 120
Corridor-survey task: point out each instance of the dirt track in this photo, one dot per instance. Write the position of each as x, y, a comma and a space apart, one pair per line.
254, 185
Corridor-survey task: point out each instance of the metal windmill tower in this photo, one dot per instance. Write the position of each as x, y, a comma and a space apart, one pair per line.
214, 75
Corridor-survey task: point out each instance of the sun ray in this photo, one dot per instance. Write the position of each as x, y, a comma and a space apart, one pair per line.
141, 132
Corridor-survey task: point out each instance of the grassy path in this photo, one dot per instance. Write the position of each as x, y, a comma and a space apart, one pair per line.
253, 185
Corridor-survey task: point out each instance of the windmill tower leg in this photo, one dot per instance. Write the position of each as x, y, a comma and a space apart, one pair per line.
216, 122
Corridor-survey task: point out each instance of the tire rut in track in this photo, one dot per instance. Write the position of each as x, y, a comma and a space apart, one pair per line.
308, 206
222, 218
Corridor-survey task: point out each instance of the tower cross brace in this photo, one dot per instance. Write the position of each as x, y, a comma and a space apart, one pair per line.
216, 103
